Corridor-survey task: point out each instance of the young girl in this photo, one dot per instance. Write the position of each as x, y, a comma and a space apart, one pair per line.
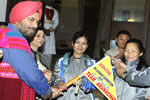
72, 65
133, 59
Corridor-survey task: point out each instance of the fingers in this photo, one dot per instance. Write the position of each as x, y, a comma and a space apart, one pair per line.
62, 86
56, 94
116, 65
148, 98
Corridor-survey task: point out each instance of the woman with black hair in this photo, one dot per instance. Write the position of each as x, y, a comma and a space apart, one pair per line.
133, 59
72, 65
36, 43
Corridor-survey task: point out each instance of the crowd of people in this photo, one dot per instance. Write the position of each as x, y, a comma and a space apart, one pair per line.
26, 51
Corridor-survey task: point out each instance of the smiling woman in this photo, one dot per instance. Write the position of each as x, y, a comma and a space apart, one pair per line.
36, 44
133, 60
72, 65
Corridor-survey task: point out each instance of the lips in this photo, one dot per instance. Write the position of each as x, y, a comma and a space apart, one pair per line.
129, 58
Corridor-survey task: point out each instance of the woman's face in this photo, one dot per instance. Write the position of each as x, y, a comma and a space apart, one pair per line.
39, 39
80, 46
132, 52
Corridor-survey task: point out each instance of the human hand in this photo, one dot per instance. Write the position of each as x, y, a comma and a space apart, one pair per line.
55, 92
120, 55
52, 29
62, 86
47, 32
1, 53
51, 22
120, 67
148, 98
47, 74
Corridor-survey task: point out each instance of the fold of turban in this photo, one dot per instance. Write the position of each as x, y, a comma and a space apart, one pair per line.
24, 9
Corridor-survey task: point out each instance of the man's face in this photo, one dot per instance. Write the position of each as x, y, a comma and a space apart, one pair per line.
121, 40
28, 25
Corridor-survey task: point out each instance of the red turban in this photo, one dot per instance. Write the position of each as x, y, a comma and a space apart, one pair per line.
24, 9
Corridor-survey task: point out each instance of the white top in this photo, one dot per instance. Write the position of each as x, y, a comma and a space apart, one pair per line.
49, 47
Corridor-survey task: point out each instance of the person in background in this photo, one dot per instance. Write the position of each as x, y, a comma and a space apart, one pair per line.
132, 59
51, 21
20, 77
116, 53
121, 38
36, 44
3, 25
72, 65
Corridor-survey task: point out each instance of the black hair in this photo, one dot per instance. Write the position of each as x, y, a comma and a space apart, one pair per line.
39, 28
123, 32
78, 35
142, 63
4, 23
31, 39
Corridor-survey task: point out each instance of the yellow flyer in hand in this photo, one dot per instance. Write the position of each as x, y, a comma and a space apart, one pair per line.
101, 76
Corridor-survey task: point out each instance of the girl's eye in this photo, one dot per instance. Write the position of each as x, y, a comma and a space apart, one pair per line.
84, 43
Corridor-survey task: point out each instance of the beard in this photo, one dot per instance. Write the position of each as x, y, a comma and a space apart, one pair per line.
27, 35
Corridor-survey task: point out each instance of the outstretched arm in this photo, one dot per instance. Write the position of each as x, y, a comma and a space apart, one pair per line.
135, 78
26, 68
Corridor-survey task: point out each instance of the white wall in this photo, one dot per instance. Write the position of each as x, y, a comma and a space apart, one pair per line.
3, 9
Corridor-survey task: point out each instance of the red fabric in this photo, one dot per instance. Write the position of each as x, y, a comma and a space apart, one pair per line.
9, 90
15, 89
13, 42
49, 13
24, 9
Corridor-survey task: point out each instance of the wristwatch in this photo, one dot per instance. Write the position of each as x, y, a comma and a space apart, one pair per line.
124, 75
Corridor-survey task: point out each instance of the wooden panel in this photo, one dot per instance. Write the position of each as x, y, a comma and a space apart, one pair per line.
70, 3
136, 29
91, 22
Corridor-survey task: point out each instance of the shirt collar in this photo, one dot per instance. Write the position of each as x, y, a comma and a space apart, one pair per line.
133, 62
81, 58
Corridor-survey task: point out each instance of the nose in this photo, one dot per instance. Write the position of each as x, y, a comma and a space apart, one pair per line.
80, 45
35, 24
130, 52
124, 41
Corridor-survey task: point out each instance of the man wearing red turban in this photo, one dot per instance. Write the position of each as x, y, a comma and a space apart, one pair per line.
19, 74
